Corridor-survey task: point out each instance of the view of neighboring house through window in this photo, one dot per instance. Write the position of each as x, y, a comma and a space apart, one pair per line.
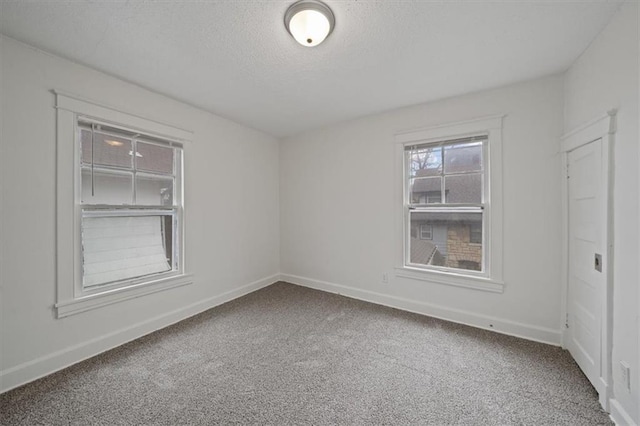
426, 232
131, 206
445, 202
475, 236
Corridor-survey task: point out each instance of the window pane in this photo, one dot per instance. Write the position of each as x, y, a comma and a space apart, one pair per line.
120, 248
463, 188
154, 158
425, 190
154, 190
108, 150
109, 187
465, 157
450, 245
425, 161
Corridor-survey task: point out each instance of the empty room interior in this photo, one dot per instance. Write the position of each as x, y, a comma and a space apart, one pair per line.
305, 212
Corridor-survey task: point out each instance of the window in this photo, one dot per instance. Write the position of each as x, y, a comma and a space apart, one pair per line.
451, 204
131, 201
454, 170
426, 232
120, 210
475, 233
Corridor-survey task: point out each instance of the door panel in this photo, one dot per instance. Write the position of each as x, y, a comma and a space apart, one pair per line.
586, 292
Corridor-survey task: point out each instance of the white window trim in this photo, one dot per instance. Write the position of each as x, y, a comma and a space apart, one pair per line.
68, 241
492, 278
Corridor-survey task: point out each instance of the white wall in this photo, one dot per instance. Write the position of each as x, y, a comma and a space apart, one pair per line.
230, 170
604, 77
337, 209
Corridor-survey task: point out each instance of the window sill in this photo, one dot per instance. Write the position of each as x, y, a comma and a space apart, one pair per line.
450, 278
86, 303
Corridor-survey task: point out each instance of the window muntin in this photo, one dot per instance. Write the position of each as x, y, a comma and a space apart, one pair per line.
130, 207
445, 190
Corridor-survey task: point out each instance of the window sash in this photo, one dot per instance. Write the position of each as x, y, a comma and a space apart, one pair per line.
94, 212
450, 269
134, 138
442, 173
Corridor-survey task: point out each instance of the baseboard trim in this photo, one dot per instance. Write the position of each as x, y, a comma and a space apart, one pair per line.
50, 363
618, 414
503, 326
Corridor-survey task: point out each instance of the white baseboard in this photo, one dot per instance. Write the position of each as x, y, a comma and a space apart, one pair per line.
50, 363
512, 328
618, 414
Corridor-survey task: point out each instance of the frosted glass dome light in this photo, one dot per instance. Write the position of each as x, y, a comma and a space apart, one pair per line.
309, 22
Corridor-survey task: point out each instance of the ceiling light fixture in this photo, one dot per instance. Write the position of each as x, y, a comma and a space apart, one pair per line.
113, 143
309, 22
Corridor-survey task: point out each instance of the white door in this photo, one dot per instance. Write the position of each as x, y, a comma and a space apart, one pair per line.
587, 249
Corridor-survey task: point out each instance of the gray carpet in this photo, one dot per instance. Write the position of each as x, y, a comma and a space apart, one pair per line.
290, 355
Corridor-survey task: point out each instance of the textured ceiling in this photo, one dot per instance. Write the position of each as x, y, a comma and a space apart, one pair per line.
236, 59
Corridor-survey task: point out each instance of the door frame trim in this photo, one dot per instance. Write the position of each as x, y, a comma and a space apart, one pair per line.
604, 128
